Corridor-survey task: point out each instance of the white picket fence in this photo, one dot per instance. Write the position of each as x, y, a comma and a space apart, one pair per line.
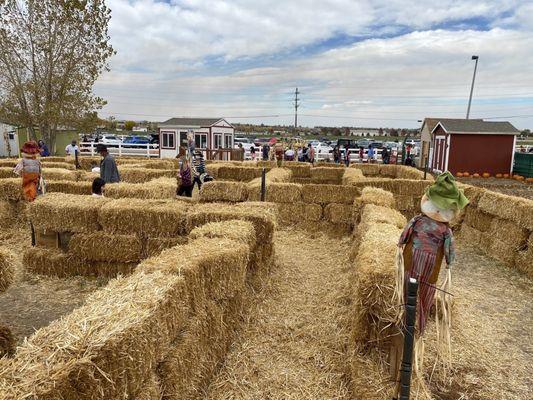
143, 150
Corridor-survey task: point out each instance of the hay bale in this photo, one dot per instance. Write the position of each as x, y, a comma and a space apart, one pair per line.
102, 246
238, 230
411, 187
473, 193
89, 162
8, 163
11, 189
326, 175
54, 262
325, 194
6, 172
339, 213
55, 159
146, 217
61, 165
299, 212
470, 235
404, 203
388, 170
8, 213
132, 174
239, 173
153, 246
275, 192
374, 280
404, 172
160, 188
478, 219
262, 218
524, 261
373, 214
224, 191
104, 349
509, 232
151, 388
267, 164
298, 170
372, 195
69, 187
368, 169
58, 174
213, 268
61, 212
160, 164
279, 175
352, 176
516, 209
501, 251
7, 269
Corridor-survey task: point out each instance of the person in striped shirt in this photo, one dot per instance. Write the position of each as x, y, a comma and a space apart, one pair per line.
198, 168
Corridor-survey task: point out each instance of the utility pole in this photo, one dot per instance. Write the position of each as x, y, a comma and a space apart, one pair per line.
472, 87
296, 105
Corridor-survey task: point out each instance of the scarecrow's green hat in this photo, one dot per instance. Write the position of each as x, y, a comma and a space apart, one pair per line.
445, 194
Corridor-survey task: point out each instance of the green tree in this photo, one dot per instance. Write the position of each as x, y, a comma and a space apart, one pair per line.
51, 53
128, 125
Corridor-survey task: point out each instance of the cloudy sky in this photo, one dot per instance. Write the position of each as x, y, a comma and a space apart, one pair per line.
356, 62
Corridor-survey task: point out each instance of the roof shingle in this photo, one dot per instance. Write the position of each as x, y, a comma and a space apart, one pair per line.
478, 126
190, 122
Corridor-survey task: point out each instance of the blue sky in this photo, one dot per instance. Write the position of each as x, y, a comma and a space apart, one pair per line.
357, 63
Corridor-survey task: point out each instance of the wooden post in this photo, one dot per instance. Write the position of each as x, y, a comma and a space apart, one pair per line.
263, 184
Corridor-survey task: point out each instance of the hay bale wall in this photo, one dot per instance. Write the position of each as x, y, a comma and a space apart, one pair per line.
132, 174
501, 226
160, 332
224, 191
11, 189
159, 188
7, 269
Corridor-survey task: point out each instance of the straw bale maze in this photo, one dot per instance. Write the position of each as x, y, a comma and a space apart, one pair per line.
141, 295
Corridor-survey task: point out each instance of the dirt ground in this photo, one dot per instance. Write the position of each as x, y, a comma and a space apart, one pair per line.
506, 186
32, 302
290, 347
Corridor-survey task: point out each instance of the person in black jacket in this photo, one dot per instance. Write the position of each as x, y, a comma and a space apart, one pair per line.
108, 166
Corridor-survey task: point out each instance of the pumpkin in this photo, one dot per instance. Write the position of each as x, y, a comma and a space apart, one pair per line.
459, 174
506, 176
485, 175
466, 174
520, 178
476, 175
499, 176
529, 180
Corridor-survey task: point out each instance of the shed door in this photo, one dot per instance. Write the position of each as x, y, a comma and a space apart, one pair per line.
439, 154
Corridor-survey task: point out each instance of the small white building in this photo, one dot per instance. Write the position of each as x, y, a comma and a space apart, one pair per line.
210, 134
139, 129
9, 144
366, 132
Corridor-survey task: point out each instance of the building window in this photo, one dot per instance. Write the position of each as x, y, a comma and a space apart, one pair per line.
218, 141
201, 140
183, 139
168, 140
227, 143
11, 136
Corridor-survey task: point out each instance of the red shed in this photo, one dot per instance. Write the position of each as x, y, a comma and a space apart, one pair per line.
472, 146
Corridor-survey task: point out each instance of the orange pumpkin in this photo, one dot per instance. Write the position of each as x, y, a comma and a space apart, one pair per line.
529, 180
476, 175
499, 176
486, 175
459, 174
506, 176
520, 178
466, 174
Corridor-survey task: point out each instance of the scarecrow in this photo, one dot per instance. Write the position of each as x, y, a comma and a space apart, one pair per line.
30, 169
425, 242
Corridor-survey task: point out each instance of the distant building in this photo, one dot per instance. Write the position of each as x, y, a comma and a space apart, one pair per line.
475, 146
139, 129
209, 134
8, 141
366, 132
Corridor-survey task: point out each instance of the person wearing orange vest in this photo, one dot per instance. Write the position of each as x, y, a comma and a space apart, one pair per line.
29, 167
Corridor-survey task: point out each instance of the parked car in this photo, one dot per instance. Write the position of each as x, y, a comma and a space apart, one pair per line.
109, 140
376, 144
241, 139
136, 140
323, 152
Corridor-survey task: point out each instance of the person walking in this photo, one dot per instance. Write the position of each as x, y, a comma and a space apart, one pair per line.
43, 149
266, 151
289, 154
29, 167
72, 149
279, 152
385, 155
311, 154
336, 154
98, 187
370, 154
198, 168
346, 156
108, 167
252, 152
361, 154
186, 184
301, 154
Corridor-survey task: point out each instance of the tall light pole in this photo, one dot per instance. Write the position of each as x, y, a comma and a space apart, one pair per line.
472, 87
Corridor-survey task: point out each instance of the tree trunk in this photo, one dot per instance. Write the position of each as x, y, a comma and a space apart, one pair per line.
31, 133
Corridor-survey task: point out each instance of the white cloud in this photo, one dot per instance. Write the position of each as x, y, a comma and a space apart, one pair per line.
164, 63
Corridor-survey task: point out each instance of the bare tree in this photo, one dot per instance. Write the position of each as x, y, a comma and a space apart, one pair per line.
51, 53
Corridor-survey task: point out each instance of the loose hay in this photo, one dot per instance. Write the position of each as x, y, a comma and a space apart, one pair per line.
11, 189
102, 246
66, 212
224, 191
144, 217
104, 349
